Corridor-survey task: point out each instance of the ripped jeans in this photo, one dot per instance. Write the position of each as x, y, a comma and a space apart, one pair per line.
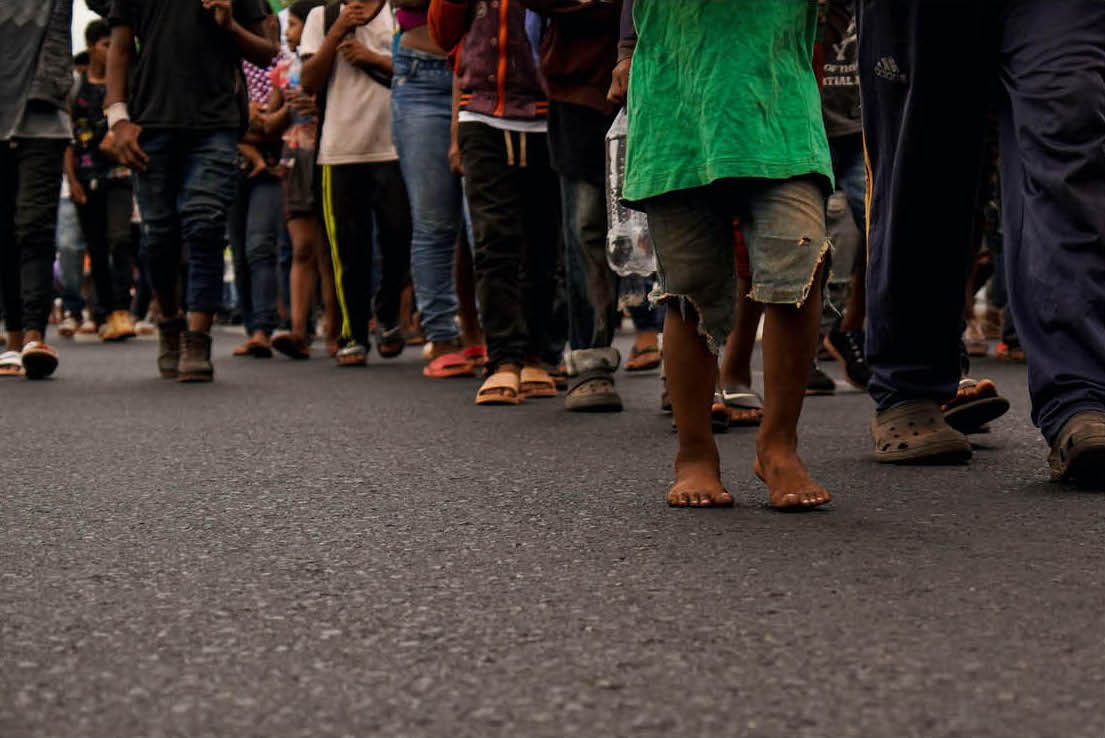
783, 223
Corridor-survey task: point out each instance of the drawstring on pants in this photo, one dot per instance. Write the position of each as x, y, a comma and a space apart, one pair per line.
510, 148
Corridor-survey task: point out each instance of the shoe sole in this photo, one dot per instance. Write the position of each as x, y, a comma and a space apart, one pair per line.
597, 403
948, 452
840, 358
195, 378
971, 416
819, 392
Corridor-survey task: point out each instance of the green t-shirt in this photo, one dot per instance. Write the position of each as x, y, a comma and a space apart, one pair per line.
723, 88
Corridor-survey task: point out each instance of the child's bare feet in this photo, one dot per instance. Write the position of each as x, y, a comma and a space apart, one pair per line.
698, 479
789, 486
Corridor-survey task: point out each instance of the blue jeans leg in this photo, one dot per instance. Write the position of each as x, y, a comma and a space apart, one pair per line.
70, 257
421, 111
206, 191
184, 195
255, 224
592, 286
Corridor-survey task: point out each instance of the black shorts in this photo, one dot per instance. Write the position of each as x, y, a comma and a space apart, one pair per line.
299, 184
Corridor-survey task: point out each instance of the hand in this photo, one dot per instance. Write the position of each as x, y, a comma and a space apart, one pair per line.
129, 153
224, 13
302, 104
357, 13
619, 84
107, 146
76, 192
253, 156
356, 53
455, 165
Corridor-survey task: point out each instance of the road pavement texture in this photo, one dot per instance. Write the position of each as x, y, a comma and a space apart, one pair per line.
305, 550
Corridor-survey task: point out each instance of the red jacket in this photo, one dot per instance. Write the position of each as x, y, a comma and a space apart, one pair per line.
496, 64
579, 51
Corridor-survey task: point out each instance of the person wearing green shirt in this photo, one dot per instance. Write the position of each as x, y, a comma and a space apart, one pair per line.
725, 121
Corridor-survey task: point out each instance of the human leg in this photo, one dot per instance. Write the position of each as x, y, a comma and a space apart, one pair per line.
421, 114
789, 255
1053, 189
206, 192
914, 354
393, 234
692, 232
349, 228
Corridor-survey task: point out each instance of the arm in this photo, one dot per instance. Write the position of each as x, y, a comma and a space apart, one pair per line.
251, 41
120, 56
454, 129
361, 56
76, 191
317, 67
448, 21
619, 84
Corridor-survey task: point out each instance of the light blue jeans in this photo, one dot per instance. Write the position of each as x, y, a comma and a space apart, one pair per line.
70, 257
421, 109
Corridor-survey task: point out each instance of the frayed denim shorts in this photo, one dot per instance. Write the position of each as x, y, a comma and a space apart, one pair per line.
783, 223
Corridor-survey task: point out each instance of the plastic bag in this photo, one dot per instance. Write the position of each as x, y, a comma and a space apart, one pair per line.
628, 246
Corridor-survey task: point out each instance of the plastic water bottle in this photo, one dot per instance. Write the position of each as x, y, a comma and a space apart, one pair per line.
295, 69
628, 245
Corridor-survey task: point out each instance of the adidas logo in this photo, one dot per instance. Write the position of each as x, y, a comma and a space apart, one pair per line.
887, 68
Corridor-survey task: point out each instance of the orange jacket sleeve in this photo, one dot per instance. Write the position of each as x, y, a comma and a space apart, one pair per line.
448, 21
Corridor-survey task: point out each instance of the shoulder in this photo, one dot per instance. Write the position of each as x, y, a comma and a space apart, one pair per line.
248, 12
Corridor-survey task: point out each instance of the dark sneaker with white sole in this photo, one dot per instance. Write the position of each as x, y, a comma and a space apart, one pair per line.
847, 348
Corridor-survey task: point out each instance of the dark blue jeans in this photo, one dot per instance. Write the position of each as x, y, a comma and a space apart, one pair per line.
184, 195
1047, 62
255, 221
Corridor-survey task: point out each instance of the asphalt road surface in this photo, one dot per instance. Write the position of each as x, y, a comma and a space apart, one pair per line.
305, 550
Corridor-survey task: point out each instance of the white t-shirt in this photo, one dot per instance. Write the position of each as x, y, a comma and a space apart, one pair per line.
357, 127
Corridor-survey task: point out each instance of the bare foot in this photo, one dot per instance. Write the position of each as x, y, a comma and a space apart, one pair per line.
698, 480
789, 486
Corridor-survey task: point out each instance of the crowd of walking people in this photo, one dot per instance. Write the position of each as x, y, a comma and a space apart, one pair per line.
854, 174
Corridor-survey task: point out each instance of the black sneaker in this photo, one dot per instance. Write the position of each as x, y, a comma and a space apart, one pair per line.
847, 348
819, 382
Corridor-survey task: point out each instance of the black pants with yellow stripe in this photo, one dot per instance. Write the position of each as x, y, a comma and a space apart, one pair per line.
361, 202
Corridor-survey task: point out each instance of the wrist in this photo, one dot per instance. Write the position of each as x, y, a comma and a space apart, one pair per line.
116, 113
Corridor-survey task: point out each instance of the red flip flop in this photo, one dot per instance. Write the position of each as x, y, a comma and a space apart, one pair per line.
449, 365
476, 354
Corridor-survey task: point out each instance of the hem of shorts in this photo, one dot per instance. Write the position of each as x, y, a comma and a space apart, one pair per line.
358, 159
662, 183
714, 343
776, 296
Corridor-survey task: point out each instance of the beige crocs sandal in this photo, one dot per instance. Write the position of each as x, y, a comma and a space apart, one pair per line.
501, 388
916, 433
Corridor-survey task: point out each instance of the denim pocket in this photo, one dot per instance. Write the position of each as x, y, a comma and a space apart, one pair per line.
404, 71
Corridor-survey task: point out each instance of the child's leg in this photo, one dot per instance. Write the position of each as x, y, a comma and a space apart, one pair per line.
790, 336
788, 251
691, 370
694, 254
736, 362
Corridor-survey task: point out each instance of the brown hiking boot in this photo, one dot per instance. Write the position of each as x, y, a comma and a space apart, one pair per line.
195, 357
168, 347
